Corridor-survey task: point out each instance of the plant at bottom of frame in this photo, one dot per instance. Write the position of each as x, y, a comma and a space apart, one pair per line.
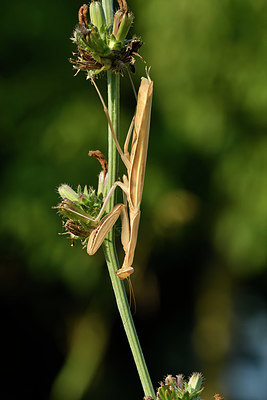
177, 388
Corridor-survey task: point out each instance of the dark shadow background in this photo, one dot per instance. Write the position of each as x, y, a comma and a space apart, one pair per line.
200, 280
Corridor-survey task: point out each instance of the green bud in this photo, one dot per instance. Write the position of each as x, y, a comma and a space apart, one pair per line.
195, 382
97, 15
85, 191
169, 380
122, 24
66, 192
79, 190
180, 381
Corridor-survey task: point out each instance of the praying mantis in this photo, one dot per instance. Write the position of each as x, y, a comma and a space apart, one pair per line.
131, 185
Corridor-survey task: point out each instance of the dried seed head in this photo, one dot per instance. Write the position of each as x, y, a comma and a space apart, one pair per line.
76, 229
218, 397
100, 157
123, 5
82, 15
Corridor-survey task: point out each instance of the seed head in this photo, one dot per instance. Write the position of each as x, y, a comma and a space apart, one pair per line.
79, 211
101, 47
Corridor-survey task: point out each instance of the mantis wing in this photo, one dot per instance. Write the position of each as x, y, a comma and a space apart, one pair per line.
140, 142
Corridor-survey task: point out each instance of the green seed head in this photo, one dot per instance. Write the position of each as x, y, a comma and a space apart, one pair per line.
179, 389
101, 47
80, 206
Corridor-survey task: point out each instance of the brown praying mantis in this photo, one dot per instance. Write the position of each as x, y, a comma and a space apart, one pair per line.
131, 185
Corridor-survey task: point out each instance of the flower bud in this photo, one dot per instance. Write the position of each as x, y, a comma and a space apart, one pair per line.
169, 380
97, 15
180, 381
66, 192
122, 24
195, 382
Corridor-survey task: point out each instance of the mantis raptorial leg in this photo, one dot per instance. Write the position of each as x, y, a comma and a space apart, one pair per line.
99, 233
132, 184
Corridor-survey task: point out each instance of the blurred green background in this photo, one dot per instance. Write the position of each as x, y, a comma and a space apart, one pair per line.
200, 280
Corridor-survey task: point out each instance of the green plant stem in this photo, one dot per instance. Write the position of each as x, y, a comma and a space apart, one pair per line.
109, 245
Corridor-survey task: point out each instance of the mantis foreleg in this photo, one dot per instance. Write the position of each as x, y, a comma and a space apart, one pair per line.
97, 218
98, 235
